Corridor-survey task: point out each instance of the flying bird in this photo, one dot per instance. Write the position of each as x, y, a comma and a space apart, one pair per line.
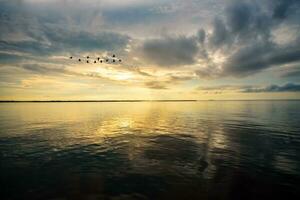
112, 59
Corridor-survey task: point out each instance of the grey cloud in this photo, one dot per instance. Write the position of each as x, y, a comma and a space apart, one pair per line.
284, 7
291, 71
201, 36
246, 32
171, 51
247, 21
171, 79
239, 16
289, 87
45, 31
244, 22
139, 71
291, 74
58, 41
221, 87
85, 41
156, 85
6, 58
40, 69
209, 72
245, 29
221, 35
257, 57
174, 78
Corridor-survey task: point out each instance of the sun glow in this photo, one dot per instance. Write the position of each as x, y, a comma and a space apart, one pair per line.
123, 76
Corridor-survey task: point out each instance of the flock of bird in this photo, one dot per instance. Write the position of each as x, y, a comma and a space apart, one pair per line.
100, 60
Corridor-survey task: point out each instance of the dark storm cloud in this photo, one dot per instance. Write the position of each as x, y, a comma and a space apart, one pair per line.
171, 51
289, 87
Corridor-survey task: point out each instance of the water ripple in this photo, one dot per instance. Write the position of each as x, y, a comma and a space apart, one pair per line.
150, 151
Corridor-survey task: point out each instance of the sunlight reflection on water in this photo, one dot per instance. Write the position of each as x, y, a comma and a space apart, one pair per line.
150, 150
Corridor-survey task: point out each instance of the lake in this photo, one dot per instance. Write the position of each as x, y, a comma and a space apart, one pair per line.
150, 150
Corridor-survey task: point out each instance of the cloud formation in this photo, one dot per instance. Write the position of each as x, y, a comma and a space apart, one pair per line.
289, 87
164, 44
170, 51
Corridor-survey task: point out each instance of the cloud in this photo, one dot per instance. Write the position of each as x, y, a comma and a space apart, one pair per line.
9, 58
162, 39
47, 29
291, 71
156, 85
257, 57
289, 87
284, 7
58, 40
170, 51
244, 38
220, 36
168, 81
44, 70
201, 36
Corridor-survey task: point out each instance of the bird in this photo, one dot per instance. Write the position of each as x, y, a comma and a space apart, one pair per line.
111, 60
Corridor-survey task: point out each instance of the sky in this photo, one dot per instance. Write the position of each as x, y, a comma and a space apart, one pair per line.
170, 49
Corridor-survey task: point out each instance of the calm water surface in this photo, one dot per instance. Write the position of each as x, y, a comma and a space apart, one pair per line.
158, 150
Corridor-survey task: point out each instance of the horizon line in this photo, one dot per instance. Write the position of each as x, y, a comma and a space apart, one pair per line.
142, 100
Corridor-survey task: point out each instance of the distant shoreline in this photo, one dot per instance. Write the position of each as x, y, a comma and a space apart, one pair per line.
103, 101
